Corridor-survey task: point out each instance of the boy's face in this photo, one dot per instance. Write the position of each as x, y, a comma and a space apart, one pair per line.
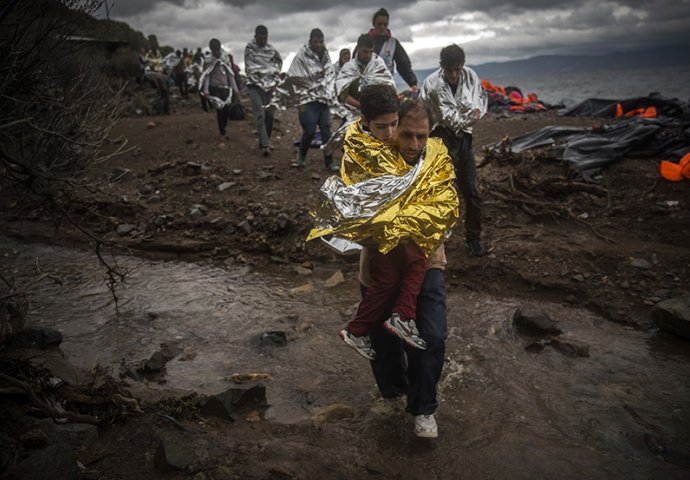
452, 74
382, 127
410, 137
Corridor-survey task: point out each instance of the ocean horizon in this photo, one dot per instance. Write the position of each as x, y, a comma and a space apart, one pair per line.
572, 88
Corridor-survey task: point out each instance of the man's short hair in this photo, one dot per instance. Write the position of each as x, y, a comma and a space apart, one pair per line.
414, 108
214, 44
377, 100
261, 30
365, 41
452, 55
381, 12
315, 33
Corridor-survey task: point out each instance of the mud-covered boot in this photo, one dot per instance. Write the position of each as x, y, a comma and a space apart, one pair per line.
331, 164
300, 161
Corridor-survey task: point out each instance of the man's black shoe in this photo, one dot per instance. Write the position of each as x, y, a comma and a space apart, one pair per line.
475, 248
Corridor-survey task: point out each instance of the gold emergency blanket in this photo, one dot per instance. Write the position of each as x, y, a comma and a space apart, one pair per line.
381, 199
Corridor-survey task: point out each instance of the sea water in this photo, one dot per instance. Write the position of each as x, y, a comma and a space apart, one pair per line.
574, 87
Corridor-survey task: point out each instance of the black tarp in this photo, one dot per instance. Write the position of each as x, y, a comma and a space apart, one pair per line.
587, 150
597, 107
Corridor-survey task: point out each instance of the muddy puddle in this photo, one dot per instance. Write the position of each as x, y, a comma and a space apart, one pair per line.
623, 411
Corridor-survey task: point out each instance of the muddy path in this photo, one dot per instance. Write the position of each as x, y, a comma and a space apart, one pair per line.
213, 236
616, 407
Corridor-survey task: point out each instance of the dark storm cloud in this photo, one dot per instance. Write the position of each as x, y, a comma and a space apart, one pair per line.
490, 30
292, 6
126, 8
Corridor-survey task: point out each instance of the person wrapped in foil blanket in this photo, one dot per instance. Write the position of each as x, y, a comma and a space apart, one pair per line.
381, 199
205, 78
458, 111
262, 65
357, 75
310, 78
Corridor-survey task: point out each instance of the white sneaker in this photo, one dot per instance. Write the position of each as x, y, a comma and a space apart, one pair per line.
425, 426
361, 344
405, 329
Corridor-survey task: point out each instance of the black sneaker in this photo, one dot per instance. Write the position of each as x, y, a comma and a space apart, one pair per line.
475, 248
265, 151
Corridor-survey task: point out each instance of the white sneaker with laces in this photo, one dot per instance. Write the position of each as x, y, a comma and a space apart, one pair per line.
361, 344
425, 426
405, 329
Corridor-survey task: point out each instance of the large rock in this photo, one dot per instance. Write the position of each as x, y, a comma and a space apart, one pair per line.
538, 325
56, 462
227, 404
75, 434
673, 315
174, 453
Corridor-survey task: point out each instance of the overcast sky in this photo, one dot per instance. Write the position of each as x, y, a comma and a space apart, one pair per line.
488, 30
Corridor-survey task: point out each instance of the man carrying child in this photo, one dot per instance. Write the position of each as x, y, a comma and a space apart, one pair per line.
400, 203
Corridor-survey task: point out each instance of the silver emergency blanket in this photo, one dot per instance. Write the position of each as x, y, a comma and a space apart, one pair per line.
218, 103
310, 79
358, 202
455, 112
169, 62
262, 65
373, 73
339, 134
364, 199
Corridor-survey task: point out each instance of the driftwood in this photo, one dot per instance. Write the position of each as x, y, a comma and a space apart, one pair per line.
45, 407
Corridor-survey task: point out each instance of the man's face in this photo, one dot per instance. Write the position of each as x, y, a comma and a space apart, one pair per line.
410, 137
364, 54
452, 74
382, 127
316, 44
261, 39
381, 25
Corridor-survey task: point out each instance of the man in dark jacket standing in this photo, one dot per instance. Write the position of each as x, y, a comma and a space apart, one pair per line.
388, 47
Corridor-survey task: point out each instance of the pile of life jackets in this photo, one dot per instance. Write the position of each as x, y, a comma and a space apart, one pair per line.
642, 112
511, 99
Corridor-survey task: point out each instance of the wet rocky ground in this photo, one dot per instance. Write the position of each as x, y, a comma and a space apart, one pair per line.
222, 359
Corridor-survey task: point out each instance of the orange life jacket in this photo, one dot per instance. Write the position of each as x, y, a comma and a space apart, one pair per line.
675, 172
642, 112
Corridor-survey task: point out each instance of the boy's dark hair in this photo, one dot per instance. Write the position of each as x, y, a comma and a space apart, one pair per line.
377, 100
261, 30
414, 108
452, 55
214, 44
365, 41
315, 33
381, 12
